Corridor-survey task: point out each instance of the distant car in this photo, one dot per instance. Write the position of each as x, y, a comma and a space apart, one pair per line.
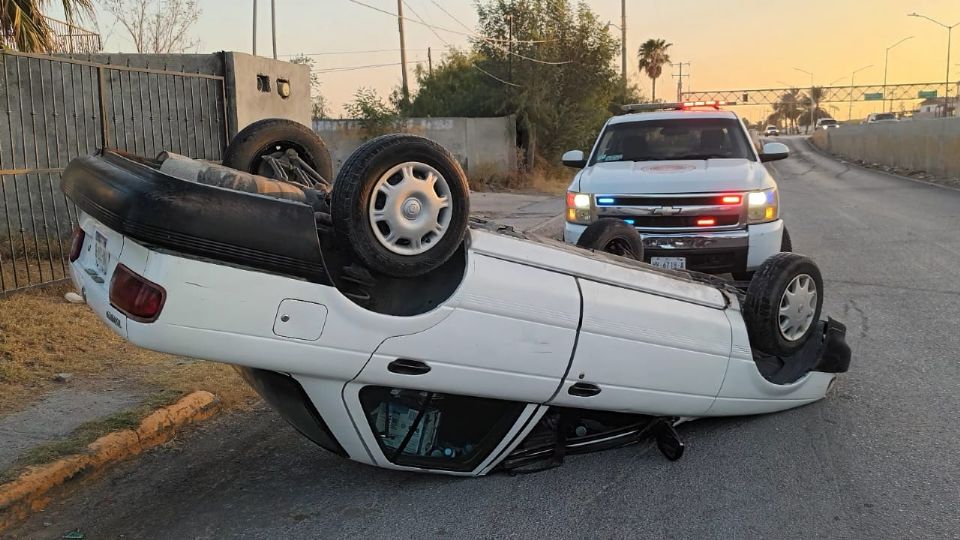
771, 131
827, 123
881, 118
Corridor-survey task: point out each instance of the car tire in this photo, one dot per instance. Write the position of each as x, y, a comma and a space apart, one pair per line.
418, 231
245, 152
612, 236
783, 304
786, 246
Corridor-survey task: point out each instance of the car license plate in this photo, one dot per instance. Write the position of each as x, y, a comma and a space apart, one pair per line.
102, 255
670, 263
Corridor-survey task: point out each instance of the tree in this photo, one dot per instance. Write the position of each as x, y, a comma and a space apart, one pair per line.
375, 117
156, 26
552, 64
653, 55
318, 103
23, 25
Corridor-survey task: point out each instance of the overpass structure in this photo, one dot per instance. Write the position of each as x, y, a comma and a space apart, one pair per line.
876, 92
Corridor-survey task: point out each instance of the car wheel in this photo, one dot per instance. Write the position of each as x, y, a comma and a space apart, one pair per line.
786, 246
783, 304
267, 145
401, 204
613, 236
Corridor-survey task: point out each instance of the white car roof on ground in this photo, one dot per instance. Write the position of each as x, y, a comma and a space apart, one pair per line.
669, 115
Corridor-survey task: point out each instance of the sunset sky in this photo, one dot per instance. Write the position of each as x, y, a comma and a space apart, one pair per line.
732, 44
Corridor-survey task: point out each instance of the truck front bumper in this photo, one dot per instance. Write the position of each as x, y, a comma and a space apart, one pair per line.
711, 252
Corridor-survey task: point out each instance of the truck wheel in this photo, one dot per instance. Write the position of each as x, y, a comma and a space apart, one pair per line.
612, 236
401, 204
786, 246
283, 141
783, 304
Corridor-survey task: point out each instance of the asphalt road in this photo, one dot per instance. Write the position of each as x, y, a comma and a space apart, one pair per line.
880, 458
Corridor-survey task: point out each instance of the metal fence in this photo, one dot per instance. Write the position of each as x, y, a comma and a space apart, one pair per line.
53, 109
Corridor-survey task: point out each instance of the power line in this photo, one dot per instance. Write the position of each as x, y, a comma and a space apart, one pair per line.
467, 34
330, 53
434, 2
445, 42
355, 68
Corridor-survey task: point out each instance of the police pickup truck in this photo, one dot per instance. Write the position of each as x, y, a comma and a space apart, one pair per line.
688, 178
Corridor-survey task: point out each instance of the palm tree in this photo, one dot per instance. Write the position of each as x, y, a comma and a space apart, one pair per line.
23, 25
653, 55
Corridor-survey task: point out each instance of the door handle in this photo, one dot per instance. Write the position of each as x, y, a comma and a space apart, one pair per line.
584, 390
404, 366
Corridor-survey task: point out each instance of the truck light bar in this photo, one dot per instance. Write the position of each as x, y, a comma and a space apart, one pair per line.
678, 106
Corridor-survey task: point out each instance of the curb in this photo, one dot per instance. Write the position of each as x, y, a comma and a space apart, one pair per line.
30, 492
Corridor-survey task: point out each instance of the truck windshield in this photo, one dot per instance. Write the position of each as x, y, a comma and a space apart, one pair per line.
674, 138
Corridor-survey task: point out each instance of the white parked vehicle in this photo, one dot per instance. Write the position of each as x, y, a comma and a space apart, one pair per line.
881, 118
387, 329
771, 131
690, 181
826, 123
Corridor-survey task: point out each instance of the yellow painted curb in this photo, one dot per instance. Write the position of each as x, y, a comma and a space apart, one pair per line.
30, 492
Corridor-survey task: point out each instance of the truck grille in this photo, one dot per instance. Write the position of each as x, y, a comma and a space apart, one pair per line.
674, 212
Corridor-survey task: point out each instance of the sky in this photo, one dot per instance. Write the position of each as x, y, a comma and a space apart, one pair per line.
730, 45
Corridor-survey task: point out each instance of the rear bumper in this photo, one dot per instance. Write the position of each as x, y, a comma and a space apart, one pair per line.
142, 203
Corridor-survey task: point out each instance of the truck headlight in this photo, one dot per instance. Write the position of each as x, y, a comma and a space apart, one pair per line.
763, 206
579, 208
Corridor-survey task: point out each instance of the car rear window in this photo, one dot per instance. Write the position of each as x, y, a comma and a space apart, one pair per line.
675, 138
884, 116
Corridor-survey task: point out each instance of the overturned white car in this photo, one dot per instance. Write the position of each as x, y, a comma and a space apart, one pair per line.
387, 328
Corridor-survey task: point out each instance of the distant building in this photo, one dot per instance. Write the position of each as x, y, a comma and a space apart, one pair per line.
933, 107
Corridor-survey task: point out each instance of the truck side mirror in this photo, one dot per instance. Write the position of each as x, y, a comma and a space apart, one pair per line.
575, 159
774, 151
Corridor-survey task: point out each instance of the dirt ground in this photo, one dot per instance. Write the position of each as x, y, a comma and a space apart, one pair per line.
42, 335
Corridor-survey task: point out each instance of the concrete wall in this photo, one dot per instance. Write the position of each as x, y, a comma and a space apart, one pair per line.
251, 102
479, 144
207, 64
931, 145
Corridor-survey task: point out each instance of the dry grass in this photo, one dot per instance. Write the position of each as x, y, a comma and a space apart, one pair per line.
543, 178
41, 334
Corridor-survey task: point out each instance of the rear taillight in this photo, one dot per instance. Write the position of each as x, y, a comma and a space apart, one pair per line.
77, 246
136, 297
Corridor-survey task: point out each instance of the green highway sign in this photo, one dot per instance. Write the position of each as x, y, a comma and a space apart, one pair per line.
927, 94
875, 96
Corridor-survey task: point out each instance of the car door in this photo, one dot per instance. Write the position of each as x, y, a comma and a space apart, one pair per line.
643, 353
462, 387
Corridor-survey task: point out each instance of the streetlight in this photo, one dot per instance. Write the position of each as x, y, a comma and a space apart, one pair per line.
812, 105
852, 75
886, 61
949, 28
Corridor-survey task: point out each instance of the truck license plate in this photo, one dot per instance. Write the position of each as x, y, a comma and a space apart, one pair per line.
670, 263
102, 255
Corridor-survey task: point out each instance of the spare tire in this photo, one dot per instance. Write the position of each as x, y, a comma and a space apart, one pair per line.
277, 135
613, 236
783, 304
401, 203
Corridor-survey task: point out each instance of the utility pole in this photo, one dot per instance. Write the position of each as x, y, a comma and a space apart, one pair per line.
273, 25
946, 89
254, 27
680, 77
510, 45
886, 61
429, 62
623, 44
850, 107
403, 53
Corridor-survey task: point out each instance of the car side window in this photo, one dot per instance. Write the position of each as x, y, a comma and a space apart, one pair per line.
440, 431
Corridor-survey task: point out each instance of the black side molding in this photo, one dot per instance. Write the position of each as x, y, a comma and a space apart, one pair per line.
149, 206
